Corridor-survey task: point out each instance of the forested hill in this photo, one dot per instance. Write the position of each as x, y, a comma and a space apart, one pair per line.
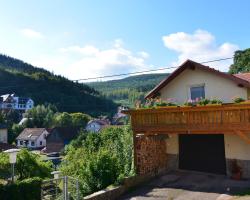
43, 87
126, 91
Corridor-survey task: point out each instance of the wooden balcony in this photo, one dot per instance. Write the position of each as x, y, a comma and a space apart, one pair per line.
214, 119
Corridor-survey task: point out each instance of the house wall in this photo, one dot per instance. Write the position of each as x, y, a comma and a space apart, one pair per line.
172, 144
239, 150
37, 141
4, 135
215, 86
54, 142
41, 139
94, 127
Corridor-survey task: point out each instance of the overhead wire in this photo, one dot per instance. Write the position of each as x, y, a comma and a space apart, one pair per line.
145, 71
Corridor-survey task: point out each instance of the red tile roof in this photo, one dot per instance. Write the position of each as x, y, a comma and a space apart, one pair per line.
245, 76
189, 64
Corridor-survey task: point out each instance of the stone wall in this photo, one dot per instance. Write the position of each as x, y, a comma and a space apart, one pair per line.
172, 161
151, 154
129, 184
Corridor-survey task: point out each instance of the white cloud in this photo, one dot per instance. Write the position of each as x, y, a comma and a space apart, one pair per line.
200, 46
143, 54
77, 62
87, 50
30, 33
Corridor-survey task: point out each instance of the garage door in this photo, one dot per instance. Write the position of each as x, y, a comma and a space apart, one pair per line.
205, 153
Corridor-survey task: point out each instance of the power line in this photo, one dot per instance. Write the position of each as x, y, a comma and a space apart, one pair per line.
139, 72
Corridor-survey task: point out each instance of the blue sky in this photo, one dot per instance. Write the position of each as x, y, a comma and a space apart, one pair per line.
80, 39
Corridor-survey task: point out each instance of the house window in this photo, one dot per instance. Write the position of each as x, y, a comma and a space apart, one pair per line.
21, 142
197, 92
32, 143
41, 143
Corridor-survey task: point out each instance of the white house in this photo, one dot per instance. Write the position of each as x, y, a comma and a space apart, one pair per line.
23, 103
193, 80
96, 125
32, 138
10, 101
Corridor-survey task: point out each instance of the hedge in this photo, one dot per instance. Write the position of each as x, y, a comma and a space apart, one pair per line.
28, 189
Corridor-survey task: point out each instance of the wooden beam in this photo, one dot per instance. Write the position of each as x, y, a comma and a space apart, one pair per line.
243, 136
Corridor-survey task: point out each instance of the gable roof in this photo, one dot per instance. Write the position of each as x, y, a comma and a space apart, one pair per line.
189, 64
65, 133
245, 76
101, 122
30, 133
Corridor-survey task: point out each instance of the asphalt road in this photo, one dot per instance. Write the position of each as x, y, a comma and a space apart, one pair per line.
181, 185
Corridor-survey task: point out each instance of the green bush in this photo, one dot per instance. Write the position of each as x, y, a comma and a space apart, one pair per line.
238, 100
28, 165
28, 189
99, 160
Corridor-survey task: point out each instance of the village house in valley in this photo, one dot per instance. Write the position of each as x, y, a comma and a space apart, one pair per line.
211, 138
11, 101
33, 138
4, 138
59, 137
96, 125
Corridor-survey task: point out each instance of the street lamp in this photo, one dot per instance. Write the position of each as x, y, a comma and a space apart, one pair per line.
56, 174
12, 155
56, 177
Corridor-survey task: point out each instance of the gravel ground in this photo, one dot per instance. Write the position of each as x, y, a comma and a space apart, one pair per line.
181, 185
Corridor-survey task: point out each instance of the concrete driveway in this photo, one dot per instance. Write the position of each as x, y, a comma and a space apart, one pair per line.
182, 185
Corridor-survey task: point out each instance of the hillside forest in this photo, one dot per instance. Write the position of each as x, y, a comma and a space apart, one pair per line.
44, 87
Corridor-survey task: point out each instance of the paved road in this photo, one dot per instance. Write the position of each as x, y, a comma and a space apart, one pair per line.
189, 186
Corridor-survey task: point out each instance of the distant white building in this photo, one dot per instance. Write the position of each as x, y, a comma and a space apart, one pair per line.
32, 138
119, 118
96, 125
10, 101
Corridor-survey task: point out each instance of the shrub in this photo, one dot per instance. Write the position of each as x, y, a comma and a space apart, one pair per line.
4, 166
215, 101
100, 159
238, 100
28, 165
203, 102
28, 189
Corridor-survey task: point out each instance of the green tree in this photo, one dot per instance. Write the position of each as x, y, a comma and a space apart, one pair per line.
79, 119
41, 116
241, 62
99, 160
14, 132
4, 166
28, 165
63, 120
2, 118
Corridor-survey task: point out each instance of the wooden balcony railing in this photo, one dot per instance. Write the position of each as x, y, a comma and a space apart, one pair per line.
212, 119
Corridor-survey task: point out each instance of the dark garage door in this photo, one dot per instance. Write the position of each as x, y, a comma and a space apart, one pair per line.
205, 153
